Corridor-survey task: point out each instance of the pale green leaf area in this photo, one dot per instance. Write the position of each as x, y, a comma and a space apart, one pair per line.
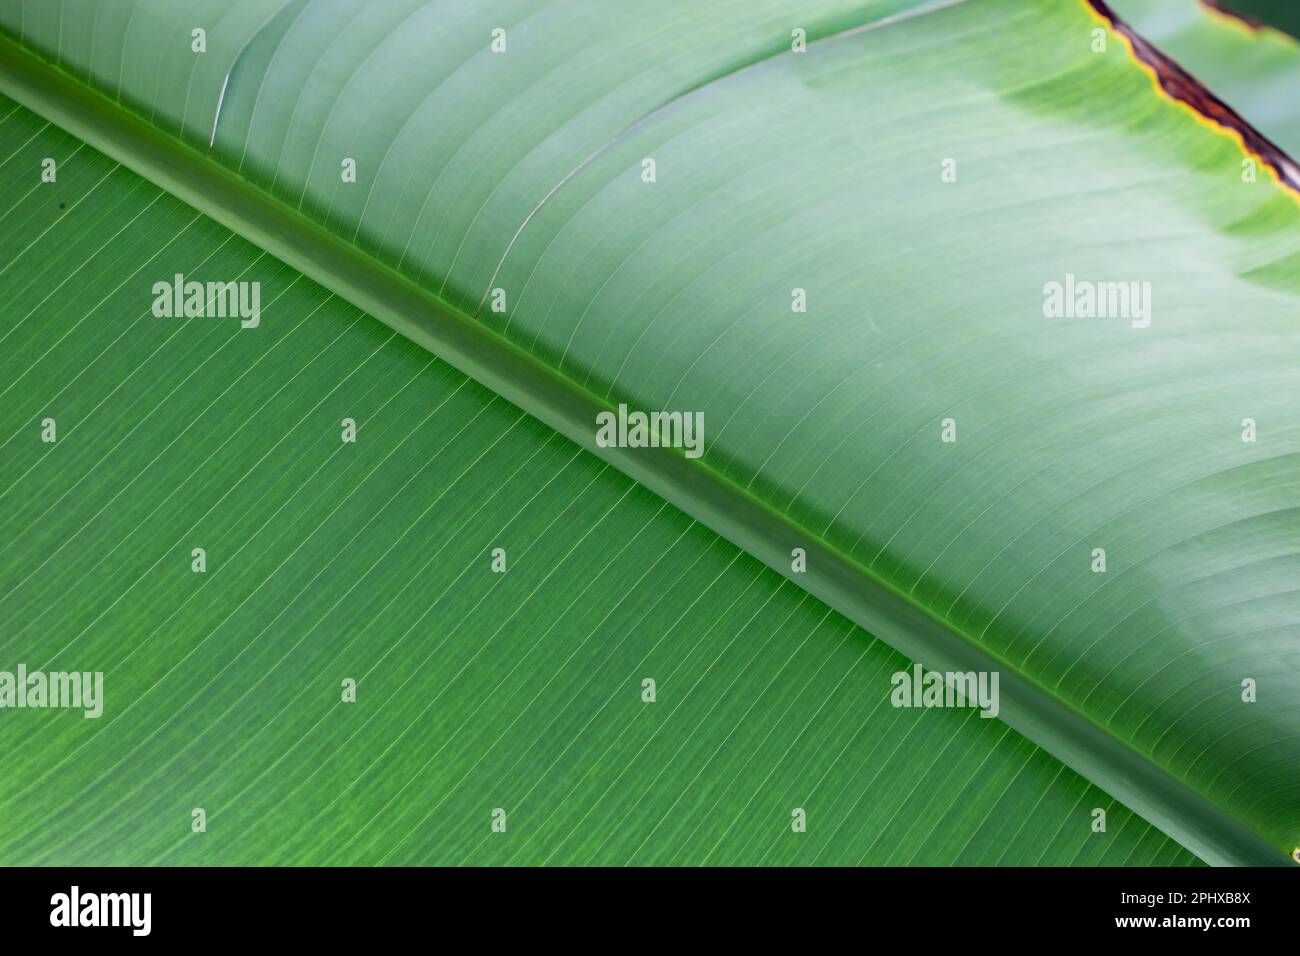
926, 303
372, 560
1256, 71
952, 450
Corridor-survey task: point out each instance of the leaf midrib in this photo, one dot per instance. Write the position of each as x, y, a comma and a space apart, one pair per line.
692, 485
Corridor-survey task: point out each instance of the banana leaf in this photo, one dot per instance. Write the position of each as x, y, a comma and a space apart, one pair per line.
866, 243
372, 562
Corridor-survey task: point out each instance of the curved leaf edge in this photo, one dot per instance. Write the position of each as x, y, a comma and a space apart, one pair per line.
1177, 85
693, 486
1253, 25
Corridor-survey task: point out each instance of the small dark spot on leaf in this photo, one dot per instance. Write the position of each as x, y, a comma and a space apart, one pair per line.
61, 205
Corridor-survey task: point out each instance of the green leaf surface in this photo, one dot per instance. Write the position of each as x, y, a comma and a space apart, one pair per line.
1256, 71
372, 560
819, 171
1279, 14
